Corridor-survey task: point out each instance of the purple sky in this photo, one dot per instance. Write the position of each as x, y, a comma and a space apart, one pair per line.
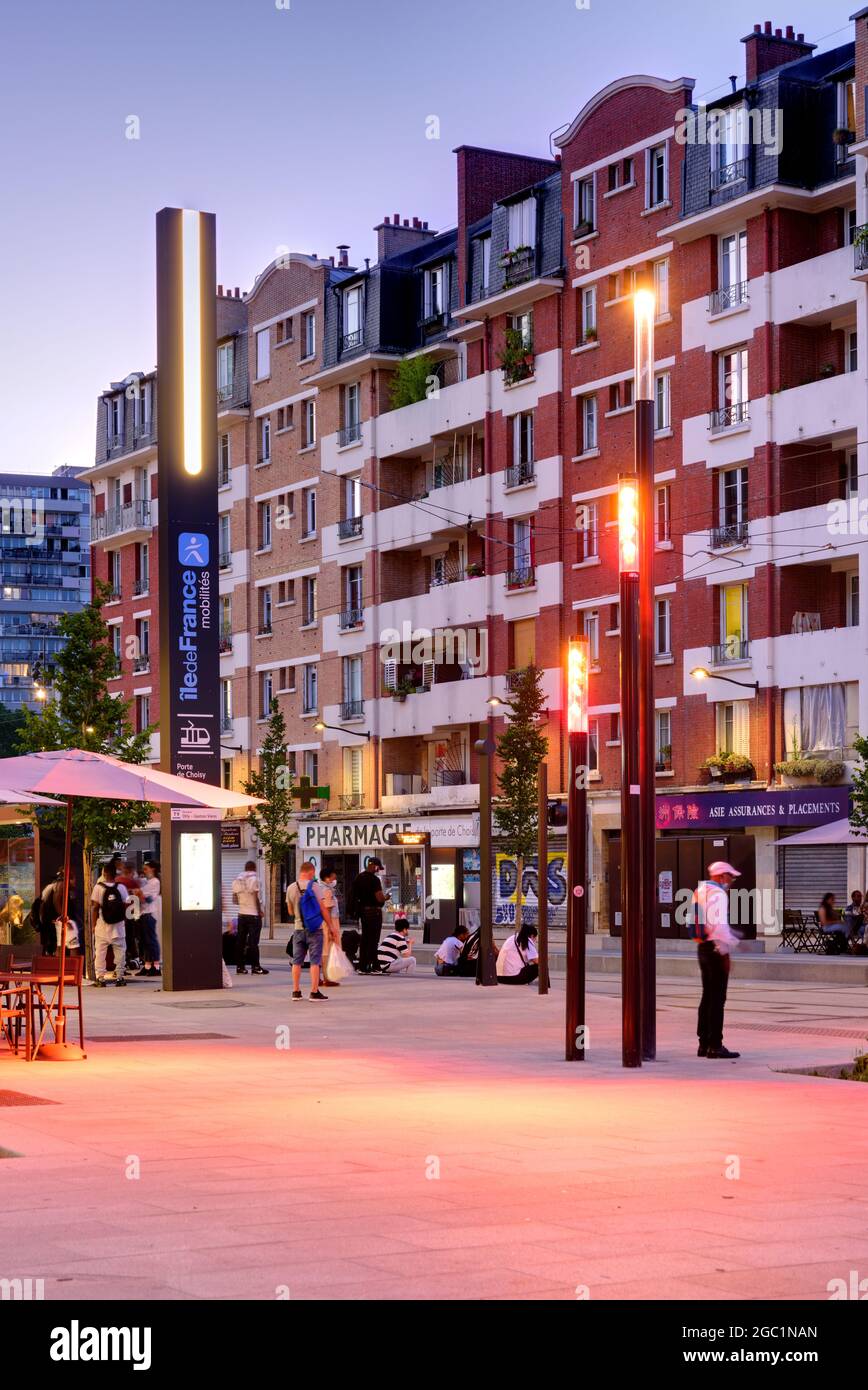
298, 127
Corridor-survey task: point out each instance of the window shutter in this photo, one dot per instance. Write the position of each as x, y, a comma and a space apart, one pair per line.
390, 675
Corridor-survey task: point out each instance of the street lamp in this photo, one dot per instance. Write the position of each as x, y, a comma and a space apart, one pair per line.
644, 314
577, 842
486, 961
700, 673
631, 898
320, 725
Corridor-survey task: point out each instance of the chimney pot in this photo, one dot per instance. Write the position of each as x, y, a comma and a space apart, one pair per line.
397, 219
406, 221
791, 33
757, 28
800, 38
220, 290
237, 292
387, 221
424, 226
779, 33
768, 27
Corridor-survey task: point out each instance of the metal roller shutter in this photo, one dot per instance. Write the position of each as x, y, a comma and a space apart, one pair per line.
812, 870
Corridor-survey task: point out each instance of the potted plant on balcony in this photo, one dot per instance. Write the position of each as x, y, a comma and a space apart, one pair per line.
842, 136
590, 335
828, 369
583, 228
729, 767
475, 569
406, 686
796, 770
664, 762
517, 358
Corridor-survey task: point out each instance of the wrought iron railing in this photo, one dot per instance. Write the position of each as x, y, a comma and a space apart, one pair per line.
729, 297
226, 723
727, 174
225, 560
728, 415
140, 587
225, 639
350, 341
351, 617
141, 664
521, 578
450, 573
350, 434
520, 473
860, 247
733, 649
350, 526
351, 801
736, 533
444, 473
352, 709
518, 266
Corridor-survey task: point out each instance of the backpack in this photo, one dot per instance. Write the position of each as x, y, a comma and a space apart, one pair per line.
309, 908
113, 909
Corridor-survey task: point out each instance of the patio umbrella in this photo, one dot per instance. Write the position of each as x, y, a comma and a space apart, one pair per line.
73, 772
11, 800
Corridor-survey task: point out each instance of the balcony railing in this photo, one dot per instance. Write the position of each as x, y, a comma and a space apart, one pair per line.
223, 478
729, 297
225, 639
860, 247
143, 430
518, 474
350, 434
115, 595
351, 801
225, 392
349, 527
133, 516
350, 618
521, 578
727, 174
352, 709
350, 341
733, 649
513, 678
444, 473
264, 630
226, 723
450, 573
115, 443
140, 587
518, 266
225, 560
728, 415
720, 537
141, 664
449, 777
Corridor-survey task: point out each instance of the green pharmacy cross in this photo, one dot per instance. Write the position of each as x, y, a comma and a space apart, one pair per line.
304, 793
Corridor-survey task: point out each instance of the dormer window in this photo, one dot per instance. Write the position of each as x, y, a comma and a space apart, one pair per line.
352, 317
522, 224
434, 304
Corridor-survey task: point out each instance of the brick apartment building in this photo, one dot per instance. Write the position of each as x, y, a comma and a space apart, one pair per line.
351, 522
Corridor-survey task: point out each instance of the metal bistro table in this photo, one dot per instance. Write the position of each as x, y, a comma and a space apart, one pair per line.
35, 984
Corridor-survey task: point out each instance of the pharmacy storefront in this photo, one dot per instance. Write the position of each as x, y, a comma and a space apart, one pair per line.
426, 879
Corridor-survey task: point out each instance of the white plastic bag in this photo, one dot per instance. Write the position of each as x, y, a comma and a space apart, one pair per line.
338, 966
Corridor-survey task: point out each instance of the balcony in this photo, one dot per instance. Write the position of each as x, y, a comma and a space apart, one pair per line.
723, 537
225, 640
133, 516
141, 665
727, 417
860, 250
264, 630
144, 431
733, 650
348, 528
518, 266
349, 342
226, 724
730, 297
445, 473
352, 801
727, 174
524, 577
350, 434
451, 572
225, 392
115, 444
520, 475
352, 709
225, 560
351, 618
140, 587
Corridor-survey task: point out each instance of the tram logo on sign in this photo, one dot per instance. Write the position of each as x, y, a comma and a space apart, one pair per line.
193, 548
194, 736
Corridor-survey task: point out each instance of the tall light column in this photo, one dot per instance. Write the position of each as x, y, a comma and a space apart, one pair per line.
644, 311
631, 901
577, 845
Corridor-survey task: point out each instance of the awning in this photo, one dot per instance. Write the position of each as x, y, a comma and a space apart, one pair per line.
837, 832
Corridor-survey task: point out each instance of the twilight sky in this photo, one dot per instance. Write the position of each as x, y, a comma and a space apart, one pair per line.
299, 126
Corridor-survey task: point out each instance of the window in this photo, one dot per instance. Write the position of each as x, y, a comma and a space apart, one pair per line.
523, 639
309, 424
732, 263
523, 325
226, 774
591, 630
284, 418
657, 176
283, 330
286, 591
662, 515
583, 206
264, 516
225, 365
308, 502
225, 618
733, 621
352, 498
143, 712
588, 423
116, 419
308, 599
733, 727
143, 566
352, 681
308, 322
265, 609
266, 693
522, 543
729, 149
353, 782
589, 312
622, 283
434, 292
662, 627
265, 439
116, 572
732, 487
621, 394
852, 356
309, 688
661, 402
263, 353
224, 461
352, 410
116, 642
853, 599
662, 739
661, 287
815, 718
593, 745
588, 534
620, 174
522, 439
846, 112
352, 316
850, 225
353, 588
522, 224
225, 702
310, 763
851, 474
732, 386
486, 262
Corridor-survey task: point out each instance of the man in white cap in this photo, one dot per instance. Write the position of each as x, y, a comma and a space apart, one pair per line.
715, 940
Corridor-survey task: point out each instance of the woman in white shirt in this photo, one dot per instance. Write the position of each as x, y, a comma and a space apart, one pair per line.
518, 957
150, 919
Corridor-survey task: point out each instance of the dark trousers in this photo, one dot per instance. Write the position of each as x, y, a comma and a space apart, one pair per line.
526, 974
247, 950
371, 923
714, 969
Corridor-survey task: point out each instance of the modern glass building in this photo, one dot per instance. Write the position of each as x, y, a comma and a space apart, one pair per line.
44, 573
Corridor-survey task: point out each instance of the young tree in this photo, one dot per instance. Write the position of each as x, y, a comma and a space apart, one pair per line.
271, 821
11, 723
81, 713
859, 790
521, 748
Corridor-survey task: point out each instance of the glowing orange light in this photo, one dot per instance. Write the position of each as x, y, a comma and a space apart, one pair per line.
628, 525
577, 686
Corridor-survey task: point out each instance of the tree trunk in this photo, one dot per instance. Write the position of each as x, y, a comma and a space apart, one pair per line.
86, 928
519, 864
273, 909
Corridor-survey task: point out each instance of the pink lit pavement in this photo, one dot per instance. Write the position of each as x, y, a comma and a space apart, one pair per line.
423, 1138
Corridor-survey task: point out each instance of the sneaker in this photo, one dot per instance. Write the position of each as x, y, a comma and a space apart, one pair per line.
297, 994
317, 994
258, 970
702, 1050
156, 972
240, 970
722, 1052
100, 983
120, 982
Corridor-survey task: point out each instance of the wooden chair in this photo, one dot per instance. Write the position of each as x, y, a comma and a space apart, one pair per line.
72, 976
6, 957
15, 1010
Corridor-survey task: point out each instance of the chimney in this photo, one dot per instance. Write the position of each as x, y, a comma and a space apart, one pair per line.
343, 256
220, 291
237, 292
396, 236
766, 50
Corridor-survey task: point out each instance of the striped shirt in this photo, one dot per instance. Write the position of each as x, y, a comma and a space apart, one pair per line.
393, 945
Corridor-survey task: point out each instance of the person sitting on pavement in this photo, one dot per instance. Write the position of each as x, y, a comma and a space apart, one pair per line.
853, 918
832, 925
448, 952
311, 904
394, 950
517, 961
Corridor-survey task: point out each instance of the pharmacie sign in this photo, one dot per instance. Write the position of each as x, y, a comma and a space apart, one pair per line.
712, 810
445, 832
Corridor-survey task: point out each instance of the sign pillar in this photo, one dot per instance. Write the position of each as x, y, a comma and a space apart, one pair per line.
188, 591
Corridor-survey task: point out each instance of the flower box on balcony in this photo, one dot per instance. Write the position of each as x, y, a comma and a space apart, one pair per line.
474, 570
798, 772
728, 767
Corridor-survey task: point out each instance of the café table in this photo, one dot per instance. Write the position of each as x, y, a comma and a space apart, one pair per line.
35, 986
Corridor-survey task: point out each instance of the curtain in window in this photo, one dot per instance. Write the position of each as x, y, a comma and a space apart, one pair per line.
815, 718
522, 224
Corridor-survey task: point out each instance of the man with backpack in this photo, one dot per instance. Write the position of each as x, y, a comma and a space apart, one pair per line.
715, 940
109, 909
312, 905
